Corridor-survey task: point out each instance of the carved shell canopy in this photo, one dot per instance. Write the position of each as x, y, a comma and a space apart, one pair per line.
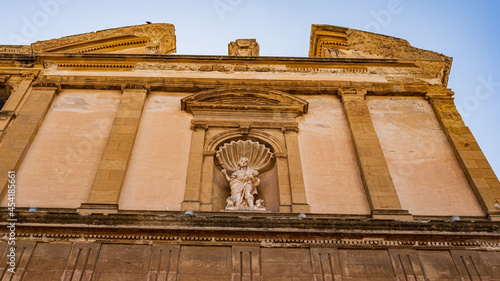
259, 156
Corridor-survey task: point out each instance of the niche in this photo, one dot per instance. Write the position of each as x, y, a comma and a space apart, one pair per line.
259, 157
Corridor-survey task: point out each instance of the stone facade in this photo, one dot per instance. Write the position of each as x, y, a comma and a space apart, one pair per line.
367, 171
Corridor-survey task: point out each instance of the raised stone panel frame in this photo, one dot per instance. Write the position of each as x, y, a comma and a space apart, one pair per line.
263, 115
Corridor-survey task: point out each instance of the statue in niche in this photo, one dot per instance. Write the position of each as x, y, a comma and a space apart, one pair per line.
242, 161
243, 183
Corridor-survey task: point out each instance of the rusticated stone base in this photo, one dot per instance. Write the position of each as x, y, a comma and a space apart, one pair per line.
101, 261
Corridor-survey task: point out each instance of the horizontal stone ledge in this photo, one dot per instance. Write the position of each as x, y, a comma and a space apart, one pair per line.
96, 216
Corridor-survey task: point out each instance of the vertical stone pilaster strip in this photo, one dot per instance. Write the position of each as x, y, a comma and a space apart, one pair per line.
377, 180
13, 104
285, 196
23, 130
477, 170
207, 181
193, 182
110, 175
297, 186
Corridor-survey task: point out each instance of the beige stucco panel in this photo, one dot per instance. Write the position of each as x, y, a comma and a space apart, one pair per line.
331, 174
427, 176
156, 176
60, 165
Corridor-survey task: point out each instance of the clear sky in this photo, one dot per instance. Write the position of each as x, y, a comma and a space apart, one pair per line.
468, 31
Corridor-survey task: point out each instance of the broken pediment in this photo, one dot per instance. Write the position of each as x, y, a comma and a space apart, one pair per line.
139, 39
329, 41
244, 99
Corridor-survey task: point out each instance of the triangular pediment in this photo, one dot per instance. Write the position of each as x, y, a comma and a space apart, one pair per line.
140, 39
244, 99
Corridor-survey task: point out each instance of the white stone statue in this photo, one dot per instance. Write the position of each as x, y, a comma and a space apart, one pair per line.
243, 183
244, 159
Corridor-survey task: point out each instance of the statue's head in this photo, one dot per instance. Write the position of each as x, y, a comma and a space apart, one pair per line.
243, 162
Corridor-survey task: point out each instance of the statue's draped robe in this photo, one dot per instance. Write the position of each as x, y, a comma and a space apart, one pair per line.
243, 186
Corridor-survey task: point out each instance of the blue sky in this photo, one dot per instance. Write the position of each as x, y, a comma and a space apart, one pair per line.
468, 31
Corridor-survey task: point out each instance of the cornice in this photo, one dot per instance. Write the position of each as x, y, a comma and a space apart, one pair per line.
264, 229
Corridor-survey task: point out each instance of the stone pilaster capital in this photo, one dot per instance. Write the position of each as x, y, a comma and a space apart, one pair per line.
4, 78
200, 125
352, 94
28, 75
47, 84
209, 153
287, 127
436, 93
135, 87
280, 154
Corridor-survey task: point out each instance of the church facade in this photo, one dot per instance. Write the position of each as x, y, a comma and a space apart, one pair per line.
120, 160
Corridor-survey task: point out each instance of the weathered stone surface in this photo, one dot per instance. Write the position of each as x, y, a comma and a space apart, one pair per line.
426, 174
113, 166
244, 47
352, 224
377, 179
95, 261
482, 180
22, 132
159, 37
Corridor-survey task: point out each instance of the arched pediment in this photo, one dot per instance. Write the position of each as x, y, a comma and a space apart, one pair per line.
139, 39
244, 99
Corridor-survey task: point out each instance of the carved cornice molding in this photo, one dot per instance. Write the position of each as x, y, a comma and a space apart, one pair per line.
16, 49
244, 127
108, 66
273, 242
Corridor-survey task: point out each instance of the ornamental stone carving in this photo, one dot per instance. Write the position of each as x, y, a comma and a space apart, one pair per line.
244, 160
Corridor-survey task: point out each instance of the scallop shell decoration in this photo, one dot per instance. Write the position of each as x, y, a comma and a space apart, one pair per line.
259, 156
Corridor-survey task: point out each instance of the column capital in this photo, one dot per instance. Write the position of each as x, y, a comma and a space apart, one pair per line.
29, 75
47, 85
352, 94
135, 87
437, 93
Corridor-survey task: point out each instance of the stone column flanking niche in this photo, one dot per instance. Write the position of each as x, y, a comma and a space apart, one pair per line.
262, 116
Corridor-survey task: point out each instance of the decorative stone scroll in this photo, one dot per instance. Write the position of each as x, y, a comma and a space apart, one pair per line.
244, 160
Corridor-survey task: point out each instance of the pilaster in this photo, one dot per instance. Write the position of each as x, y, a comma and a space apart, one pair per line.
110, 175
377, 180
297, 186
13, 105
477, 170
285, 196
207, 181
23, 130
194, 174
